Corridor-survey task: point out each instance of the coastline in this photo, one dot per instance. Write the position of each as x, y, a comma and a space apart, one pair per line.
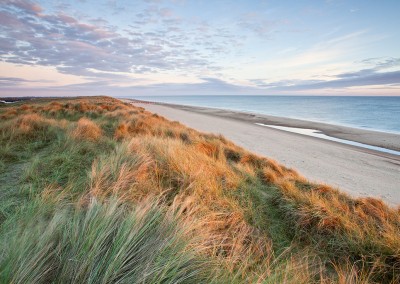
369, 137
358, 171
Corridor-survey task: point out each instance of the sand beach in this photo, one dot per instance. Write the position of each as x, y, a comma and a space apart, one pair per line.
358, 171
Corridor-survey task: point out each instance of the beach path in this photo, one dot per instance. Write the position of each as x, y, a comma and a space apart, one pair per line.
359, 172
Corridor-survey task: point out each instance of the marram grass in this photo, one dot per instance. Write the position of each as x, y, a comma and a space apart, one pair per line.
99, 243
93, 190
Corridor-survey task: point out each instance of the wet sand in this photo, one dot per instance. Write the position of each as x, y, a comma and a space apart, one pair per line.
358, 171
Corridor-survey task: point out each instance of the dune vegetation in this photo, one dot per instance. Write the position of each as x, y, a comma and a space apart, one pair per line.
95, 190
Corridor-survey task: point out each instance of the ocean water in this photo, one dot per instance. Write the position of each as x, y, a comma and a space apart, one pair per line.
374, 113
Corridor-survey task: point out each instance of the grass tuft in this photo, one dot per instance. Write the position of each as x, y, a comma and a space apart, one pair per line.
87, 129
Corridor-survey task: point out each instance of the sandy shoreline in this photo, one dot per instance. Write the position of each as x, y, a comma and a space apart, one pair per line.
357, 171
369, 137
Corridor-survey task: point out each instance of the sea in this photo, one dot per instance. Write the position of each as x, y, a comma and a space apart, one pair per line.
374, 113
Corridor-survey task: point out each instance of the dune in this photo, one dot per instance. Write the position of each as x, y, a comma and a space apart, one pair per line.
95, 190
358, 171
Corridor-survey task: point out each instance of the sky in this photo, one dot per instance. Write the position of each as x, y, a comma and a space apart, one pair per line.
182, 47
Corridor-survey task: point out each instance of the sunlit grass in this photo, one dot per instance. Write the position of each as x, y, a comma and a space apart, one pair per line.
250, 217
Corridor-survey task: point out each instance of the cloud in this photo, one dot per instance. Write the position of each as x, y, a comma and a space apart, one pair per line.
382, 63
255, 23
207, 86
356, 79
25, 5
15, 82
365, 77
11, 81
325, 51
32, 37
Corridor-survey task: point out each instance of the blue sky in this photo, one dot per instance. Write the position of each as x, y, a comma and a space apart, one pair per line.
182, 47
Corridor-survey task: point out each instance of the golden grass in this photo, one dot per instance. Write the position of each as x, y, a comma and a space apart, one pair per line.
87, 130
122, 131
197, 174
9, 113
30, 122
28, 126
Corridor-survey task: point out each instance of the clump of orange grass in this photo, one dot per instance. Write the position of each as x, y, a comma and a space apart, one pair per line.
9, 113
31, 122
122, 131
25, 108
28, 126
87, 130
